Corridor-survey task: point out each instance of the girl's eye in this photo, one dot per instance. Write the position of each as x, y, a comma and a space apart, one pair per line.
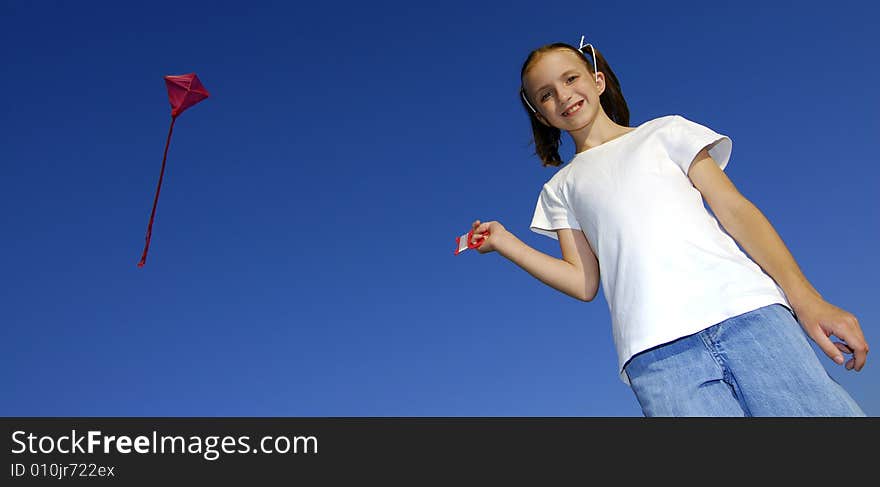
570, 78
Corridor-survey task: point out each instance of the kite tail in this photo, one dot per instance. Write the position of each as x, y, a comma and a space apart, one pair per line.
156, 200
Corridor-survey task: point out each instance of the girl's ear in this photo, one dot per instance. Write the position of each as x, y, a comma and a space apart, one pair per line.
600, 84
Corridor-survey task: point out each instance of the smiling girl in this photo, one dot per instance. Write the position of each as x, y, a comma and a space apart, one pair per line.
700, 328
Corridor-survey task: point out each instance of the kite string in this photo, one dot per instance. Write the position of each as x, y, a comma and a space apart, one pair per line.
156, 199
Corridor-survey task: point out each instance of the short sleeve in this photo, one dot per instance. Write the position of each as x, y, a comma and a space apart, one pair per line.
552, 214
685, 139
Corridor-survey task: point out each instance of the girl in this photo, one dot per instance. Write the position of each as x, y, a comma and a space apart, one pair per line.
700, 329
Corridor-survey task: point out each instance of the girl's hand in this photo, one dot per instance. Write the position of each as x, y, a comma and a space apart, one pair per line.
821, 319
492, 233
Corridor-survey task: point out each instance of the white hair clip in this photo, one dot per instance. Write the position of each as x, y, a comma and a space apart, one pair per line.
595, 62
522, 91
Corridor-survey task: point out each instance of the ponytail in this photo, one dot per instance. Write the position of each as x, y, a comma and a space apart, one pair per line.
547, 139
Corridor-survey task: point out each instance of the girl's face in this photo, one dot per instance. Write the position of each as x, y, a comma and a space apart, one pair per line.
563, 91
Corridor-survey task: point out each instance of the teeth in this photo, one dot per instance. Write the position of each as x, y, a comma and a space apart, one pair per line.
572, 109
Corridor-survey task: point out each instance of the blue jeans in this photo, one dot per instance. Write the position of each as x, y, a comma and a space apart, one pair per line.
756, 364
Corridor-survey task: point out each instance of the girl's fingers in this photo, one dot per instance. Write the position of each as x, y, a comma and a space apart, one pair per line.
851, 363
843, 348
828, 347
855, 342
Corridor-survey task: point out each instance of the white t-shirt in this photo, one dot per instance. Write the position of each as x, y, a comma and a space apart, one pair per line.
667, 267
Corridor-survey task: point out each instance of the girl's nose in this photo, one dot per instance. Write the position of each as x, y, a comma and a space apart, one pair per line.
565, 98
565, 94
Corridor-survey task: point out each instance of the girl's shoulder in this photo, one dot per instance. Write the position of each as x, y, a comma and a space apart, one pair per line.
664, 120
671, 119
559, 176
677, 120
667, 126
642, 132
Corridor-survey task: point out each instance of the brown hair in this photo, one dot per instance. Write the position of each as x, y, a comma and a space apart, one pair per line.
546, 138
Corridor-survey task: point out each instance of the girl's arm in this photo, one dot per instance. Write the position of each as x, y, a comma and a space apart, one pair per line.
751, 229
576, 274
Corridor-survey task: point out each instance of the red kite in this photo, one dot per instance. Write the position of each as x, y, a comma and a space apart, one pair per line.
464, 242
184, 91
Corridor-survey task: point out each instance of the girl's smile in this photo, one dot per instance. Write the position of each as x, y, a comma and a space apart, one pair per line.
574, 109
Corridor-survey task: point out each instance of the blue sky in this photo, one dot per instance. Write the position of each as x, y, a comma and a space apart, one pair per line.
302, 263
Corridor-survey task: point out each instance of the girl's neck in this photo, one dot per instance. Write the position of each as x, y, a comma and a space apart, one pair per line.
601, 130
